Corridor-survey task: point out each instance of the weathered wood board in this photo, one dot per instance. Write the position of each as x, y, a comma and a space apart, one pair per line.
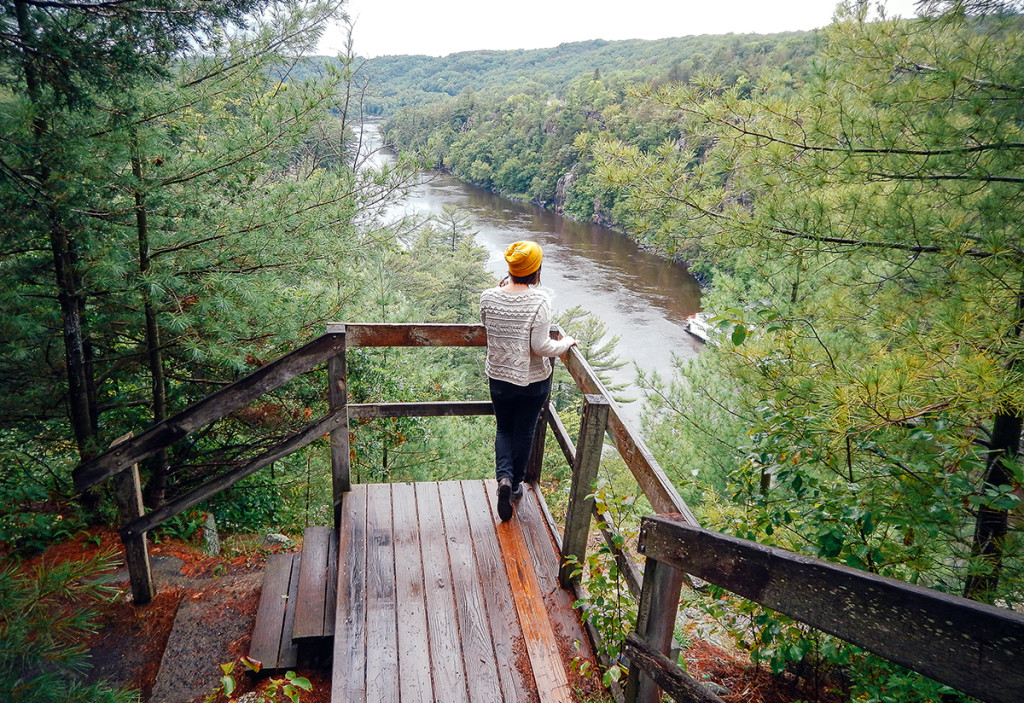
907, 624
439, 619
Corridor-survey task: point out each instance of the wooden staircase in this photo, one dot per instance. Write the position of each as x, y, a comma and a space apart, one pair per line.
298, 603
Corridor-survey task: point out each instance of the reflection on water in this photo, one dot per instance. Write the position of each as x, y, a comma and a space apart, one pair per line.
640, 297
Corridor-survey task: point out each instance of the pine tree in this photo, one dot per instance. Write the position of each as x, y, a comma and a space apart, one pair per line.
870, 225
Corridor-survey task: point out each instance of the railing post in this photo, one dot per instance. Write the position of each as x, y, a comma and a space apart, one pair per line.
338, 396
128, 493
584, 474
655, 623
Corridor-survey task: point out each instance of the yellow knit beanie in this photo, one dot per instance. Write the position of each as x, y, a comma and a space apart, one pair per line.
523, 258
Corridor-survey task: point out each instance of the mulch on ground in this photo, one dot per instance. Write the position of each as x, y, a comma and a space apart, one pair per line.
129, 645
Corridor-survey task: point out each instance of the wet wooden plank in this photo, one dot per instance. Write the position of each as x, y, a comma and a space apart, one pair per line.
288, 655
445, 653
265, 643
331, 605
309, 610
413, 653
544, 556
501, 611
474, 631
348, 671
541, 644
381, 623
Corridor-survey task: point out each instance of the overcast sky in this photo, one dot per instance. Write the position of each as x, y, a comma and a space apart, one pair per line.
441, 27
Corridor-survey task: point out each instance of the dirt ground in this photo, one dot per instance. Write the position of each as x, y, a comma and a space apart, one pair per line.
222, 593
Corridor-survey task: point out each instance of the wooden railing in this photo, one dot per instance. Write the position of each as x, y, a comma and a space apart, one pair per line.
673, 544
973, 647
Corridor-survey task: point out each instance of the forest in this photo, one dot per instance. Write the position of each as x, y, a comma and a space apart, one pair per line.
186, 200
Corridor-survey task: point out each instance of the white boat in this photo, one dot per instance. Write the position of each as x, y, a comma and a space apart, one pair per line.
698, 325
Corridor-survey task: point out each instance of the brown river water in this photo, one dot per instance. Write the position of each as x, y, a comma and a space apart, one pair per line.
642, 298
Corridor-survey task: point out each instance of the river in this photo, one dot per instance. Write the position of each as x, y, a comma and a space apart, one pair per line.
642, 298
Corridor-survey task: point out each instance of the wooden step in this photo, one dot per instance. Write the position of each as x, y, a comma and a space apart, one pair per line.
318, 586
271, 641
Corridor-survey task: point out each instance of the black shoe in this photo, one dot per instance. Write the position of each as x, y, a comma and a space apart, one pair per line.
517, 492
504, 500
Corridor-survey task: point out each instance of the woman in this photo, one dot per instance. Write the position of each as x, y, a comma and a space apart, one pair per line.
518, 318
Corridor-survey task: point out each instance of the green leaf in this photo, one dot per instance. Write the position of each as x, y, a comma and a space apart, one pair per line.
867, 523
739, 334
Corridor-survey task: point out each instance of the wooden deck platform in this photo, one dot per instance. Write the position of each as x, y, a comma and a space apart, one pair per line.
440, 601
423, 594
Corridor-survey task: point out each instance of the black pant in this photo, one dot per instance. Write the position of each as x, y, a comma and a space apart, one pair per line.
516, 411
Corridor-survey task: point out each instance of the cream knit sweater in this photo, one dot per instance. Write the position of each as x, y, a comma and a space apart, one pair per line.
518, 339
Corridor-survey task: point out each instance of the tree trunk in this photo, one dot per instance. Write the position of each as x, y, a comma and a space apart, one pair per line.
156, 487
992, 523
77, 348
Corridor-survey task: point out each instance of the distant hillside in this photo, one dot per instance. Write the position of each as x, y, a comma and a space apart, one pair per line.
397, 81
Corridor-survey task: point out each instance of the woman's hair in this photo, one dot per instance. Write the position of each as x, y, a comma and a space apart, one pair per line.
530, 280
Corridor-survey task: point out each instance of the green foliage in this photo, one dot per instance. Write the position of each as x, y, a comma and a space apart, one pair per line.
182, 527
867, 281
29, 531
694, 422
45, 615
290, 686
861, 362
172, 231
402, 81
608, 604
827, 664
528, 140
433, 274
596, 345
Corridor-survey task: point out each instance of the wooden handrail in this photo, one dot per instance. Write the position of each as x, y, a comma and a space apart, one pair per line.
223, 481
666, 673
411, 334
973, 647
209, 409
436, 408
663, 496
